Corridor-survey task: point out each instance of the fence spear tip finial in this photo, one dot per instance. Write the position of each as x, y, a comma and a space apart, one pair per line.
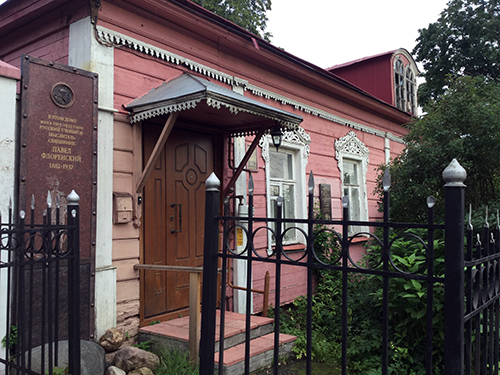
345, 201
386, 181
32, 201
49, 199
431, 201
73, 198
486, 224
454, 175
250, 185
212, 183
311, 182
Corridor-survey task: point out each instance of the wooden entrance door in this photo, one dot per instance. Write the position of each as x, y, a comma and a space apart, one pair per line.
174, 208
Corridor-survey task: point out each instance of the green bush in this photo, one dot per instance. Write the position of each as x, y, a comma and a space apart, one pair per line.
407, 310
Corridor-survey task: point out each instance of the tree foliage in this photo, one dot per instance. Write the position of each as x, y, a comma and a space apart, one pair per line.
249, 14
465, 40
463, 124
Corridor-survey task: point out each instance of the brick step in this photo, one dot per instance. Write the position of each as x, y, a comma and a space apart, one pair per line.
261, 354
174, 334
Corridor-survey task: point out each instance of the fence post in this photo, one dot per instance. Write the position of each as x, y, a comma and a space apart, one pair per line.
74, 284
209, 299
454, 176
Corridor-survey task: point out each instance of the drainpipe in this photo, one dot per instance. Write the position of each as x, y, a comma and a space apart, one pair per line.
9, 75
240, 265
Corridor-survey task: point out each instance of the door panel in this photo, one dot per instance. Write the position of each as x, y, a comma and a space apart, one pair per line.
174, 205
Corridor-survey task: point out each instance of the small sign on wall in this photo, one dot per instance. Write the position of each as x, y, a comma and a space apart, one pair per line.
325, 201
122, 208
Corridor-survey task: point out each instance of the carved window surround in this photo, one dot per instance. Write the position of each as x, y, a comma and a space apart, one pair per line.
350, 147
297, 142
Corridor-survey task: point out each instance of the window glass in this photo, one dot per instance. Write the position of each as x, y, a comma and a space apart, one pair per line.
281, 165
275, 190
350, 173
399, 84
351, 190
410, 91
282, 183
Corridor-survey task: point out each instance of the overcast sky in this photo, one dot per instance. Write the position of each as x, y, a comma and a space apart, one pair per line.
330, 32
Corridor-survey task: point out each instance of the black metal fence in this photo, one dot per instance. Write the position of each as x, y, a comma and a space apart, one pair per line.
40, 293
471, 285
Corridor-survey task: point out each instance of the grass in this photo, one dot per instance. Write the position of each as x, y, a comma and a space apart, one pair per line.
298, 367
175, 362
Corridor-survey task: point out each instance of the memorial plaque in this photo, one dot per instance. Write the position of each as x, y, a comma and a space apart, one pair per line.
58, 150
325, 201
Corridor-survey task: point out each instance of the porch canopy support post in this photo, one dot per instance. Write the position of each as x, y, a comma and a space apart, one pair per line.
244, 161
167, 128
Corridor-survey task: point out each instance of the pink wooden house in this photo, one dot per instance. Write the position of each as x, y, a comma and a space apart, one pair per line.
183, 93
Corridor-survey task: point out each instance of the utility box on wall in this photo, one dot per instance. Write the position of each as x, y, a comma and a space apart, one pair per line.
123, 210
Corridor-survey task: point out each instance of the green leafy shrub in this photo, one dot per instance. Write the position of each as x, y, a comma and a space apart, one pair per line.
407, 310
408, 302
12, 338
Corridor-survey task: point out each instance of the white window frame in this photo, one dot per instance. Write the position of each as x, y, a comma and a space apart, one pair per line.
351, 148
295, 143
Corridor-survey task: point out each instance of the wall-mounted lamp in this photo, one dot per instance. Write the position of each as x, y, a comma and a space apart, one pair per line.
276, 135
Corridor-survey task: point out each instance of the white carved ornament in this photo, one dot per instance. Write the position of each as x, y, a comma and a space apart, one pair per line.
350, 144
297, 137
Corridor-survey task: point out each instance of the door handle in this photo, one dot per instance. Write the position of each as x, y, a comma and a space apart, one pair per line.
180, 217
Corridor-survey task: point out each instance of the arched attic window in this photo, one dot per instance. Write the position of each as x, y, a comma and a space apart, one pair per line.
399, 84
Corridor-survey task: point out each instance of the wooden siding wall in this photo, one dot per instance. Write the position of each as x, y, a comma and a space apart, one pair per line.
125, 236
46, 37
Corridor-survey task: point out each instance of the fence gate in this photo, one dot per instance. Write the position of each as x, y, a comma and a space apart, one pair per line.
40, 292
471, 297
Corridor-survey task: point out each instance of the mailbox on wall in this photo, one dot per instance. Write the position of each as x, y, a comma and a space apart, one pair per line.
122, 208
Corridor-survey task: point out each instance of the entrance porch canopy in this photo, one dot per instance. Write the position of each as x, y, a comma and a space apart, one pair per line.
197, 100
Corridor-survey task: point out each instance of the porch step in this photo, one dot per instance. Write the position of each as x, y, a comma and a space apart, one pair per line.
261, 354
174, 334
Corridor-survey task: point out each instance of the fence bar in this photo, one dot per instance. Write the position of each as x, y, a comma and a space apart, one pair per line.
74, 286
21, 309
222, 325
209, 299
430, 286
385, 282
310, 260
496, 349
248, 294
468, 297
454, 176
277, 300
